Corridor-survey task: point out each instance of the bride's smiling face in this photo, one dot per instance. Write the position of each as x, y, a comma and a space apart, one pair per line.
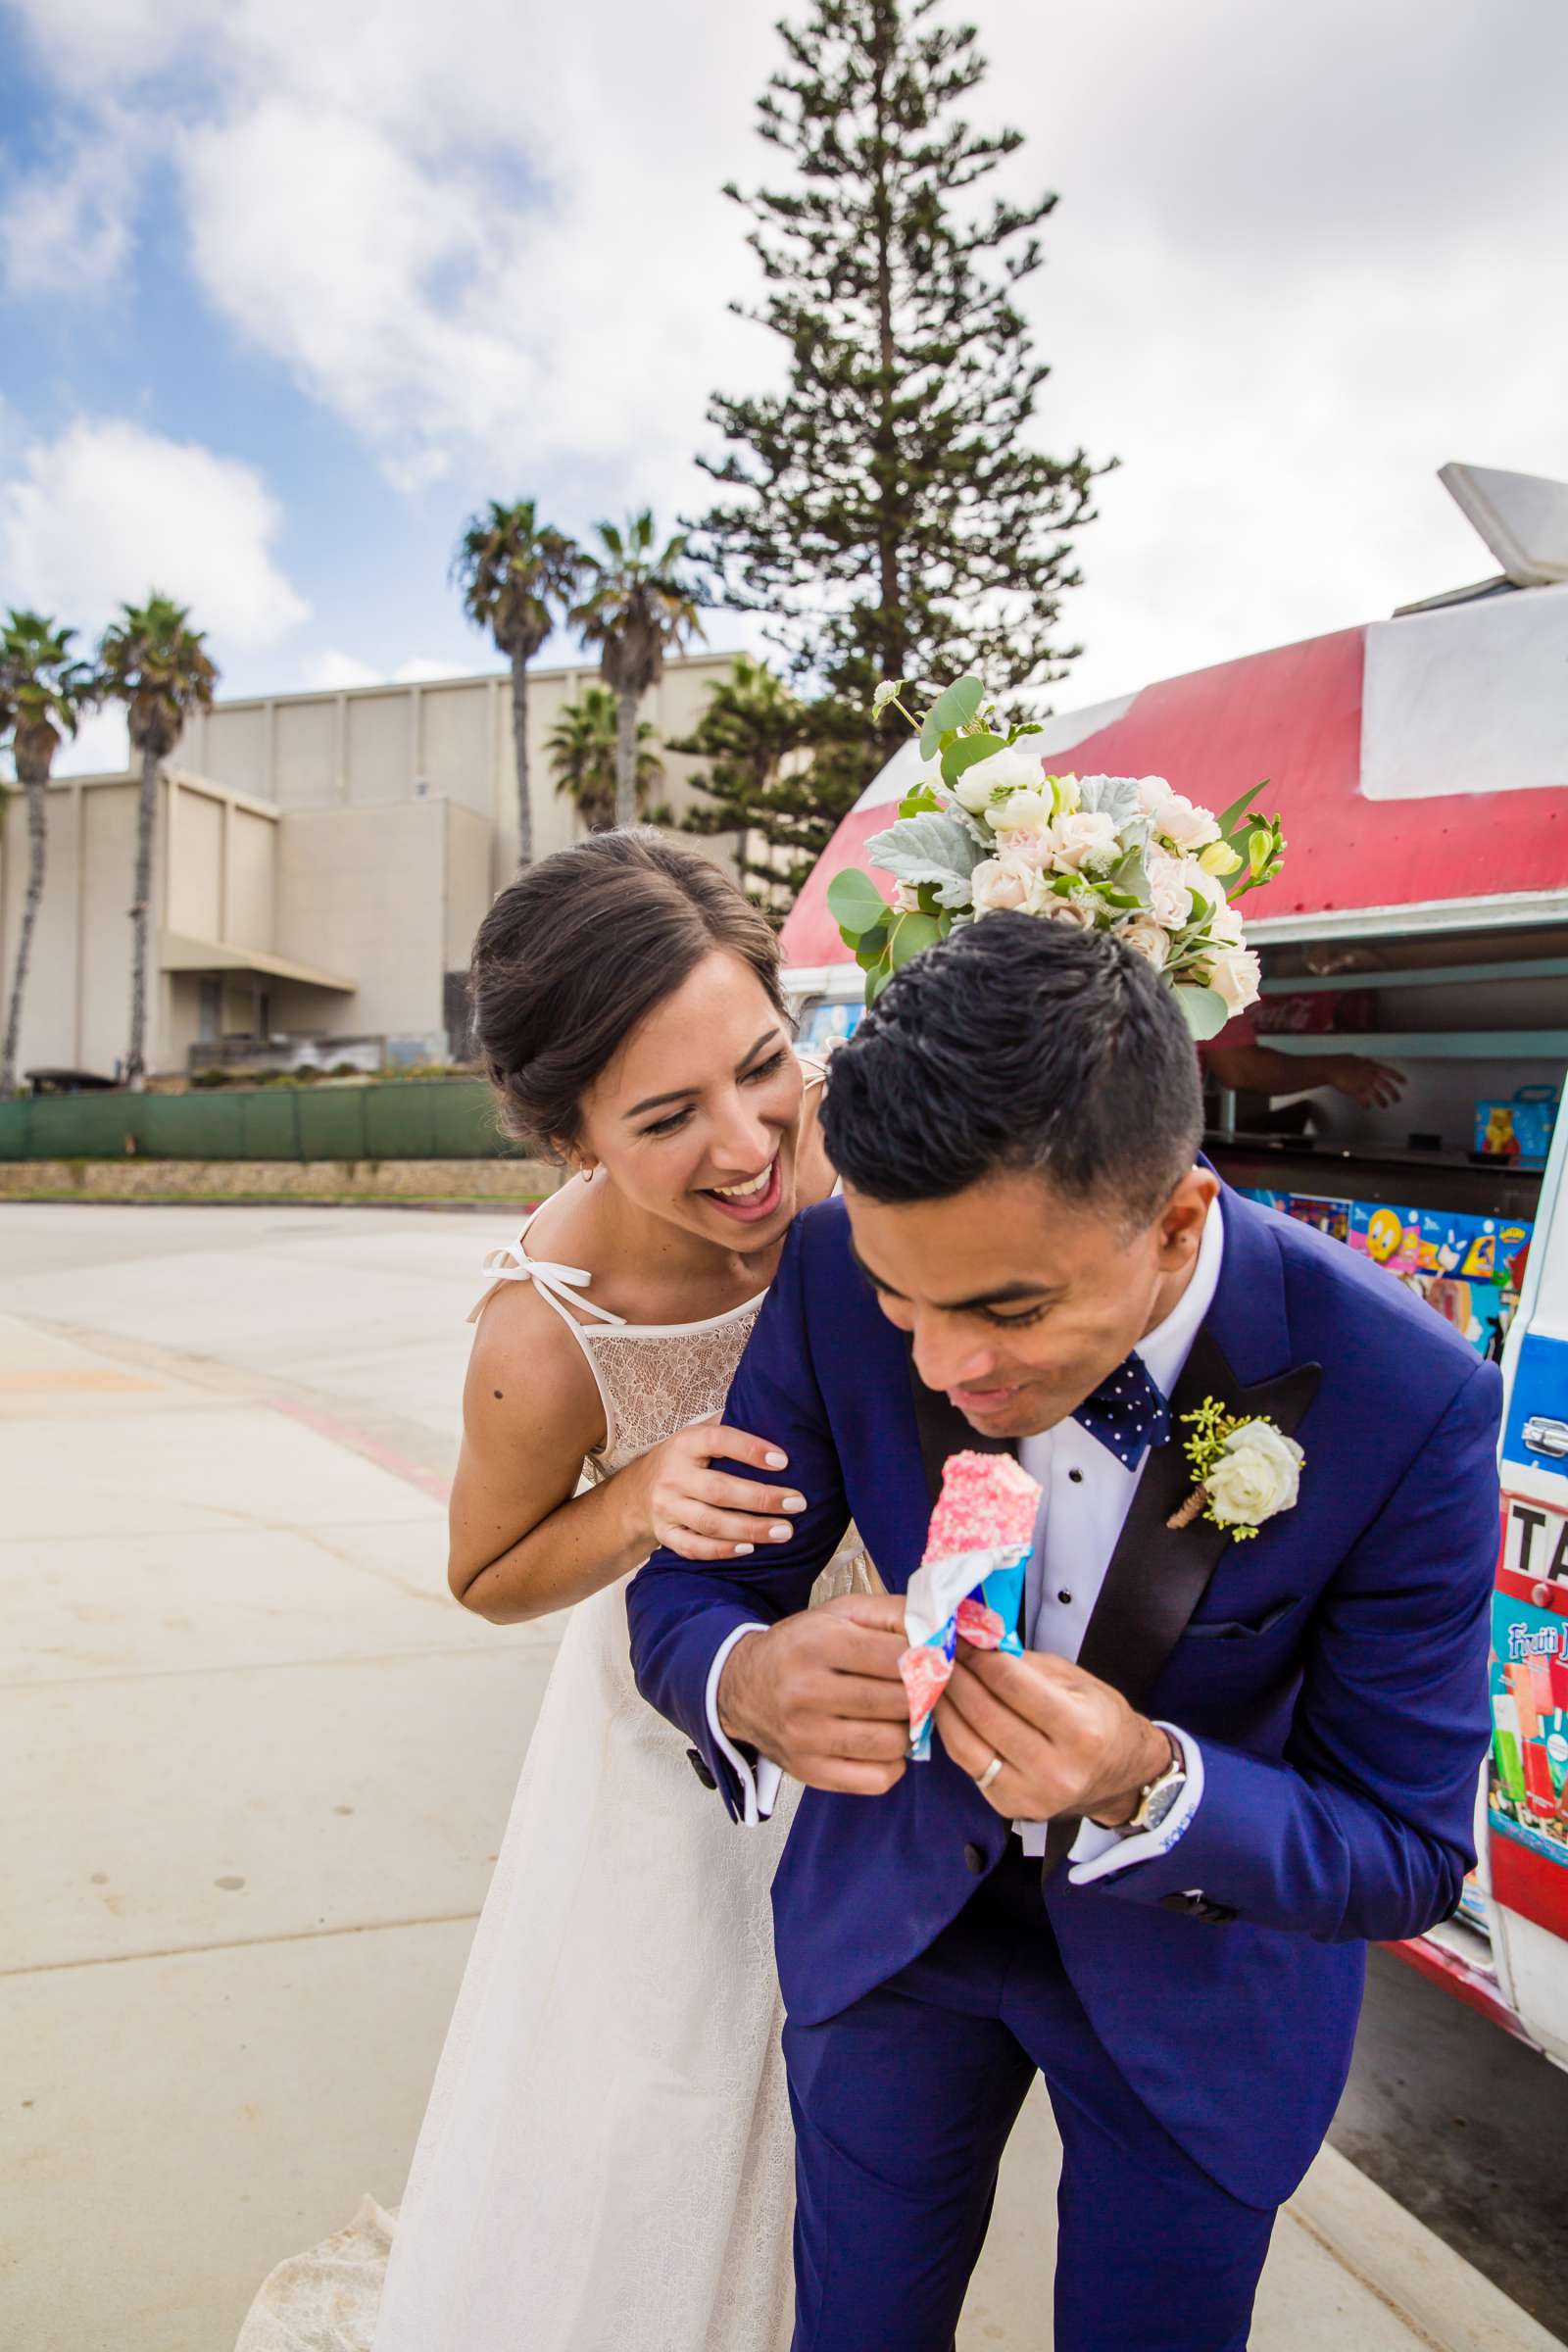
694, 1119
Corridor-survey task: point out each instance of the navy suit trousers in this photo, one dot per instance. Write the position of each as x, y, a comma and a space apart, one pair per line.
903, 2104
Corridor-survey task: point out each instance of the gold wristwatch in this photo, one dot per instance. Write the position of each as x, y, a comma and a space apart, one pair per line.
1158, 1798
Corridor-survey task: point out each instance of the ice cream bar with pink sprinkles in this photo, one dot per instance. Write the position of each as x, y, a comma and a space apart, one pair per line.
988, 1504
971, 1579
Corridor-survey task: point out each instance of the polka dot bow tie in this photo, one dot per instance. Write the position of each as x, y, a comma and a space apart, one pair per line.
1127, 1413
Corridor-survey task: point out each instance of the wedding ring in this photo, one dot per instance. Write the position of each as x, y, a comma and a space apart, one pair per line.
984, 1779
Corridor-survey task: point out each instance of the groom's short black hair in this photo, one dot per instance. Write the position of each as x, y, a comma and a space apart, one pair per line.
1019, 1045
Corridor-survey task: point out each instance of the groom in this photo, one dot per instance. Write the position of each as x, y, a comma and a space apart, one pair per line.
1146, 1857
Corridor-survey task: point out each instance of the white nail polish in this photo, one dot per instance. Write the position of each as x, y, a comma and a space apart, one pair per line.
778, 1461
741, 1549
793, 1502
779, 1531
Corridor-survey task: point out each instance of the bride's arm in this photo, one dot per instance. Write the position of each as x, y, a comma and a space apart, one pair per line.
522, 1541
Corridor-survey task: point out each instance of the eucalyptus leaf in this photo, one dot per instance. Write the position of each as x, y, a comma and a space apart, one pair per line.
917, 799
1204, 1008
854, 901
911, 936
954, 709
1130, 875
930, 848
1115, 796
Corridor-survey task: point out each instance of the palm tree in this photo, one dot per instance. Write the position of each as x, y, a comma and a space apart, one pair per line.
44, 692
582, 746
639, 608
511, 570
156, 664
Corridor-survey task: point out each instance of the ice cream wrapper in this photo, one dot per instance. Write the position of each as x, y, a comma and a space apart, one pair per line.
970, 1583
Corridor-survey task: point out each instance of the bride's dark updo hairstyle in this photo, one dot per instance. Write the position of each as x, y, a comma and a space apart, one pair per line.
580, 950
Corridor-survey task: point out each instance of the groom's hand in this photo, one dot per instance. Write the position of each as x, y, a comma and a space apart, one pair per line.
821, 1694
1068, 1742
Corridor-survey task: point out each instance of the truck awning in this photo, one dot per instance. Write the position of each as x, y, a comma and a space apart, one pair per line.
1418, 763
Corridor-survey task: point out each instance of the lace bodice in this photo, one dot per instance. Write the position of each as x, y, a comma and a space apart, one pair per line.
653, 1378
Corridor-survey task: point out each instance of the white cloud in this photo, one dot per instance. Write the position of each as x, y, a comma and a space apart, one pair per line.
334, 672
487, 238
422, 670
65, 227
1302, 259
99, 748
108, 510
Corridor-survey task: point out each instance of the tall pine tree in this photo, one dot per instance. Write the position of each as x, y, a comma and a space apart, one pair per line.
889, 511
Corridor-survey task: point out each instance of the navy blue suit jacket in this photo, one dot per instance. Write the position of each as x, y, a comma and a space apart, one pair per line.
1332, 1668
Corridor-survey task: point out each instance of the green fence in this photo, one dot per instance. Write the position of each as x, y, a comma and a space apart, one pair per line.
419, 1118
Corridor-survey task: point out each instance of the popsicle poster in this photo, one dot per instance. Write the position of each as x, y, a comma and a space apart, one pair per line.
1528, 1792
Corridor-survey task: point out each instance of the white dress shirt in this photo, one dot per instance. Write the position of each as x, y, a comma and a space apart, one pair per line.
1085, 1496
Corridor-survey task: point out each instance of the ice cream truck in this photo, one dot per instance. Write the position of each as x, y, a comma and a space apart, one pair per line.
1421, 768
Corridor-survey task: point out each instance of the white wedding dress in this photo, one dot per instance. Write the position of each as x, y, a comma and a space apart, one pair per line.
607, 2162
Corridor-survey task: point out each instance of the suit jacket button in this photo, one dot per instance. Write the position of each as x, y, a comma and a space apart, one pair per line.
974, 1857
700, 1767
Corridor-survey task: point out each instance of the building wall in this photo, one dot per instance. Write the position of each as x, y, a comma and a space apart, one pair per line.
102, 1025
194, 854
453, 737
361, 891
250, 891
385, 821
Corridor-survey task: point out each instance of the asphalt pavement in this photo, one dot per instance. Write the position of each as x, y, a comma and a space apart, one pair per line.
256, 1765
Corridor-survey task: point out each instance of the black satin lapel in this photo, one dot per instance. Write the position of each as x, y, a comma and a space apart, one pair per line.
944, 1430
1158, 1574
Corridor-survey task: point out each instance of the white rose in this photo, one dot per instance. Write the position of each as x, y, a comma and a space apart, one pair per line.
1145, 938
1226, 924
999, 885
1169, 900
1153, 794
1189, 827
1234, 973
1081, 837
1012, 764
1033, 845
1026, 808
1258, 1474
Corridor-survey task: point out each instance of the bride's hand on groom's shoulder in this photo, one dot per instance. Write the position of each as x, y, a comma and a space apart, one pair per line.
820, 1694
707, 1514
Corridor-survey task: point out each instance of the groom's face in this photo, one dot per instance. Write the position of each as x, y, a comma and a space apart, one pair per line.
1020, 1302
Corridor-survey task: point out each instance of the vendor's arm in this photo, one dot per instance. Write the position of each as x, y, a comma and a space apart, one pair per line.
1257, 1070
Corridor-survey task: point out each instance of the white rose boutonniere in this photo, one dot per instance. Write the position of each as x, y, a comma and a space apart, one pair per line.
1247, 1471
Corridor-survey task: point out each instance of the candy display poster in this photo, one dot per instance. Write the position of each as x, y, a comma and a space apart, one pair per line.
1527, 1795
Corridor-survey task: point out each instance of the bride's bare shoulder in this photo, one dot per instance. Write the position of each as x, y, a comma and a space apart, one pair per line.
526, 1366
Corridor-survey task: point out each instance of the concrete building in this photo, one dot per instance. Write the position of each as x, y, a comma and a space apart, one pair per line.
323, 861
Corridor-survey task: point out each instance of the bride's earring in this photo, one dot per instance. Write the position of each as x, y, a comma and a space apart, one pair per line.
586, 1172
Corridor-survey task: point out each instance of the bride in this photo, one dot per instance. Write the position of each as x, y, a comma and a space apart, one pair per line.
606, 2157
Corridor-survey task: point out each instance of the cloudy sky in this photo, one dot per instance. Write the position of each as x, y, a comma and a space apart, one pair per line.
287, 289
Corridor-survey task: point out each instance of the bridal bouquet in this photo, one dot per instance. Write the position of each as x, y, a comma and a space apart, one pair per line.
986, 829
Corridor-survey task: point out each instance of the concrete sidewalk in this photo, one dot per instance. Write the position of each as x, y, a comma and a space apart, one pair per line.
257, 1766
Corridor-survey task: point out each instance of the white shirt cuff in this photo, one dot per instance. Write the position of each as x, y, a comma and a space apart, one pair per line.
1098, 1853
759, 1788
